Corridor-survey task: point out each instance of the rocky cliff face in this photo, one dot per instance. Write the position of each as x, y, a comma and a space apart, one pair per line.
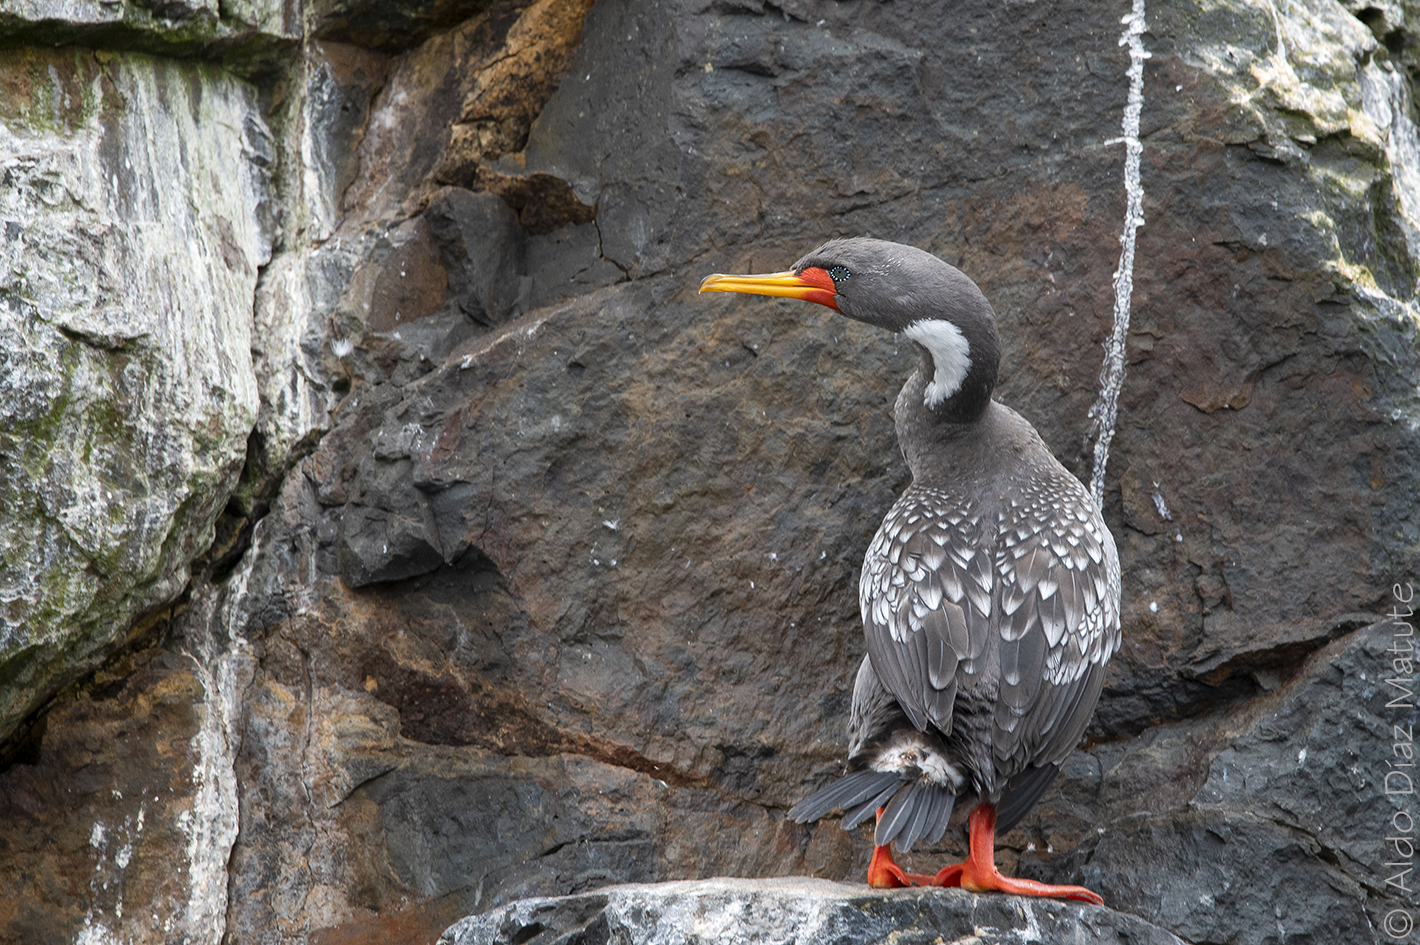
137, 215
389, 532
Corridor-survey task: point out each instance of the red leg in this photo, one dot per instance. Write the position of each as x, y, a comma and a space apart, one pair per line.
978, 872
883, 873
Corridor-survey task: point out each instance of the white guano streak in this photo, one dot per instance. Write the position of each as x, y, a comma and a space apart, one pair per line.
223, 661
1106, 408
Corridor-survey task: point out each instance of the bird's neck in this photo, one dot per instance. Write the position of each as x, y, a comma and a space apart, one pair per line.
923, 431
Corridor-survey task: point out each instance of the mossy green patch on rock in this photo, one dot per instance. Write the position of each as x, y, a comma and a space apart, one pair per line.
132, 215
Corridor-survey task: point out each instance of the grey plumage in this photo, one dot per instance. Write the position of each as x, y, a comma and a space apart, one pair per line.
848, 792
1021, 794
865, 810
990, 594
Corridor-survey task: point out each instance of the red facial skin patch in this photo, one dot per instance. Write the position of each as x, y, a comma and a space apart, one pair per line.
824, 292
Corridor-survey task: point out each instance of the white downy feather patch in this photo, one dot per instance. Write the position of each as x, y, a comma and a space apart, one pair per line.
907, 752
950, 353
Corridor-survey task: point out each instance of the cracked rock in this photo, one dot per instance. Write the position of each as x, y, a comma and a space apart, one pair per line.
545, 568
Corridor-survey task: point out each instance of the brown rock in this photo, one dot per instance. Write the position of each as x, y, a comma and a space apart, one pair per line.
96, 823
566, 595
509, 91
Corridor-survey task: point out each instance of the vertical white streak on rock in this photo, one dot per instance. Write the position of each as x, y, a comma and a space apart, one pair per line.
294, 297
1105, 409
113, 845
212, 828
1386, 101
295, 393
223, 662
317, 172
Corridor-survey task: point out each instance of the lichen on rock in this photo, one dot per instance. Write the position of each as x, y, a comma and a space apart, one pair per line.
127, 273
534, 571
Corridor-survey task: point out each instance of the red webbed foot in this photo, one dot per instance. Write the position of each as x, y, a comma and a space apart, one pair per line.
883, 873
978, 872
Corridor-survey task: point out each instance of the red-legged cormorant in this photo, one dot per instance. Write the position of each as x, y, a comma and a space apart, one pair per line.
990, 594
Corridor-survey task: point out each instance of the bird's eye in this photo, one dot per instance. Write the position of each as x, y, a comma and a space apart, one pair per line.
839, 275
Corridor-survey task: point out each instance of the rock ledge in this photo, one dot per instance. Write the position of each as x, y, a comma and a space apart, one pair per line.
795, 910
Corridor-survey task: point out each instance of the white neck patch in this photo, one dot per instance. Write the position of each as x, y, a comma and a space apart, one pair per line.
950, 353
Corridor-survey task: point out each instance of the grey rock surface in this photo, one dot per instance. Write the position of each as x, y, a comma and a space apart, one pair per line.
128, 270
516, 569
248, 35
1242, 825
795, 911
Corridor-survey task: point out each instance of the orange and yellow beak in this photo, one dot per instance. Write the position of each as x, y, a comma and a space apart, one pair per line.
812, 285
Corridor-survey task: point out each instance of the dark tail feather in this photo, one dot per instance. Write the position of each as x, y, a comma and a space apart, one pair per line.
1022, 792
847, 792
854, 818
944, 816
925, 814
898, 813
921, 810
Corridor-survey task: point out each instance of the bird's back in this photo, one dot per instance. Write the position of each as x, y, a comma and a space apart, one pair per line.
990, 601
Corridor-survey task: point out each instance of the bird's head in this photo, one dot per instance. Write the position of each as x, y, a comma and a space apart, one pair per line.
903, 289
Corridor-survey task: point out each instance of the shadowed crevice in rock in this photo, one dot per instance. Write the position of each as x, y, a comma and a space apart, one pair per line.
250, 501
1278, 662
1219, 682
25, 745
390, 27
543, 202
